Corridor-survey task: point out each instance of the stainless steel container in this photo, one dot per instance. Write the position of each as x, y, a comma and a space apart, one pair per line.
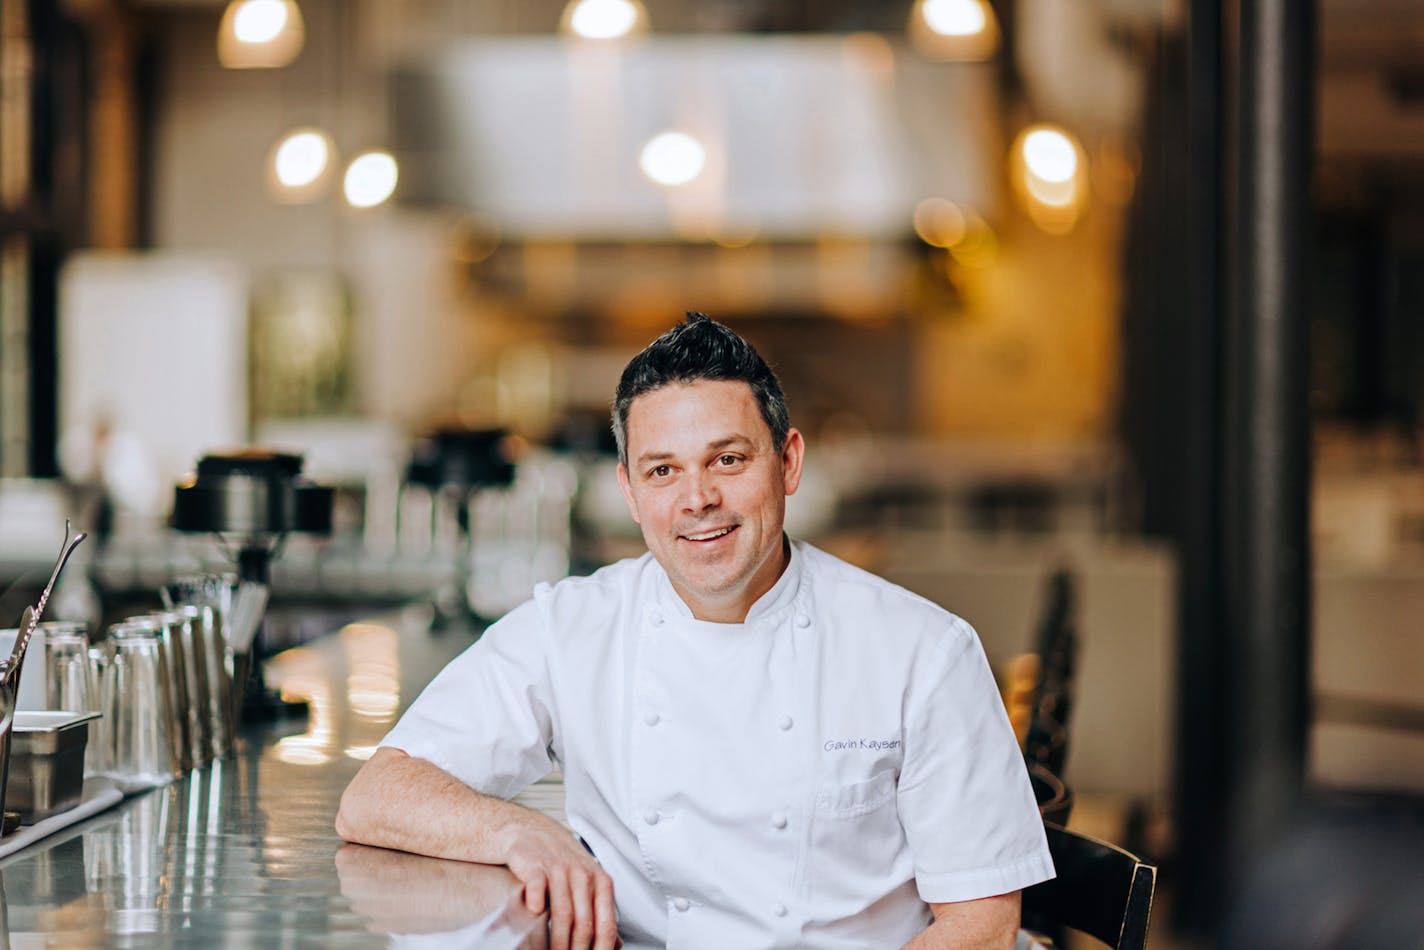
47, 762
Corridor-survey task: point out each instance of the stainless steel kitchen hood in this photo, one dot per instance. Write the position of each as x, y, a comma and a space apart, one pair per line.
804, 136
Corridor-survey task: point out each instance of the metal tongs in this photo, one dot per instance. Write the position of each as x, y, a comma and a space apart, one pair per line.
10, 670
29, 620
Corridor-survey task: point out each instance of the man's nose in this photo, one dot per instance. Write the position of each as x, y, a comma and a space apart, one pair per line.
701, 492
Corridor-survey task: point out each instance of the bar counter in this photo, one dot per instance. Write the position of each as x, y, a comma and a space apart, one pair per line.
243, 852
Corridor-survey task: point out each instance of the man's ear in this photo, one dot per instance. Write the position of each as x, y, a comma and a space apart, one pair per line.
792, 454
626, 487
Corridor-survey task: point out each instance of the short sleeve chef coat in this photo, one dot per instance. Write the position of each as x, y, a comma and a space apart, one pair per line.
810, 777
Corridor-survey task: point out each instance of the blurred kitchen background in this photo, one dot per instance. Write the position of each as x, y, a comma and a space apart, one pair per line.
415, 241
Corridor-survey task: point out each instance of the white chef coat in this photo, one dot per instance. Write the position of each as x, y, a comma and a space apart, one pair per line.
810, 777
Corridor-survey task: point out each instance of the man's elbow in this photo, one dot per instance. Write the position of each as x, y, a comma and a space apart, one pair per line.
346, 822
348, 811
357, 808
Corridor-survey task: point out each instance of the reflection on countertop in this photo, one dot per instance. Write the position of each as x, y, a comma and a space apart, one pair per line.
244, 851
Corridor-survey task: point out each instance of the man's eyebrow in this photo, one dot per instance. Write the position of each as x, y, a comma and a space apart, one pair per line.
713, 446
729, 441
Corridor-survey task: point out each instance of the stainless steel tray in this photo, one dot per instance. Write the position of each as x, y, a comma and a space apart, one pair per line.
47, 731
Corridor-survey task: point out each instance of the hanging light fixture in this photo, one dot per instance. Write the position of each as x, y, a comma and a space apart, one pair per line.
260, 34
1048, 168
958, 30
604, 19
299, 166
672, 158
370, 179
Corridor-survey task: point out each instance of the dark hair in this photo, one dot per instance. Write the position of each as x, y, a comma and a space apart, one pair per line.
699, 348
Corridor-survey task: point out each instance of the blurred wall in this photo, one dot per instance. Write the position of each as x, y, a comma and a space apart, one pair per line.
1022, 346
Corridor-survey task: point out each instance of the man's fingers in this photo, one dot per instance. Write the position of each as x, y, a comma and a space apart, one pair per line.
535, 887
604, 915
561, 909
581, 892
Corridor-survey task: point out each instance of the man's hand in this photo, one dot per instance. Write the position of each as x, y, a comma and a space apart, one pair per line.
559, 873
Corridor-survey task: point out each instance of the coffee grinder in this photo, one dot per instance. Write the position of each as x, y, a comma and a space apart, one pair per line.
251, 500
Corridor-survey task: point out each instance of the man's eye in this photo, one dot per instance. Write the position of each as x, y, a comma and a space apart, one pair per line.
660, 471
728, 460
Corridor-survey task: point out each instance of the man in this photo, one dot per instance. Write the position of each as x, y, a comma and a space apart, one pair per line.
762, 745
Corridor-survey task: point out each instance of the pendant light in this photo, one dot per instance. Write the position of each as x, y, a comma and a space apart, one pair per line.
604, 19
260, 34
954, 30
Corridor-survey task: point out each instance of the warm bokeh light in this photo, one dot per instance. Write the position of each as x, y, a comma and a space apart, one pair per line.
954, 30
299, 164
955, 17
300, 675
1050, 155
301, 158
604, 19
373, 683
1048, 168
259, 21
939, 222
673, 158
370, 179
979, 247
303, 750
260, 34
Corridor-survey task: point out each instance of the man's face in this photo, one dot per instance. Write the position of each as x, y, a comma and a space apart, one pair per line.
708, 488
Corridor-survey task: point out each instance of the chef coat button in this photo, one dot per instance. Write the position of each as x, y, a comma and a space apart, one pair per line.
682, 903
783, 723
779, 910
778, 819
651, 816
802, 620
657, 619
650, 717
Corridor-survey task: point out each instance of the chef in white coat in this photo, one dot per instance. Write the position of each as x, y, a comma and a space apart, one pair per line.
761, 745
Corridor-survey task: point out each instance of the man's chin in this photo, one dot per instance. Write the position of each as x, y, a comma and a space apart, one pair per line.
708, 587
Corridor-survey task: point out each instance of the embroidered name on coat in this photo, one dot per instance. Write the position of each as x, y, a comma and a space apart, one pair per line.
845, 745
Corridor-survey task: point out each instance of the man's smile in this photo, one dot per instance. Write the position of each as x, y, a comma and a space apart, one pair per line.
711, 535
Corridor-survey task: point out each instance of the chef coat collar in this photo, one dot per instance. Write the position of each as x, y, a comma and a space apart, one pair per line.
781, 595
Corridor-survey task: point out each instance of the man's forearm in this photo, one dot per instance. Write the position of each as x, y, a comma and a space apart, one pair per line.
990, 923
401, 802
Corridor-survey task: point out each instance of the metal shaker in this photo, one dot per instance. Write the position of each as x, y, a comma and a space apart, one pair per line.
147, 746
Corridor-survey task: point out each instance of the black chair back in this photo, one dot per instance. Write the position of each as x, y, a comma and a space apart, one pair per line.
1101, 890
1046, 742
